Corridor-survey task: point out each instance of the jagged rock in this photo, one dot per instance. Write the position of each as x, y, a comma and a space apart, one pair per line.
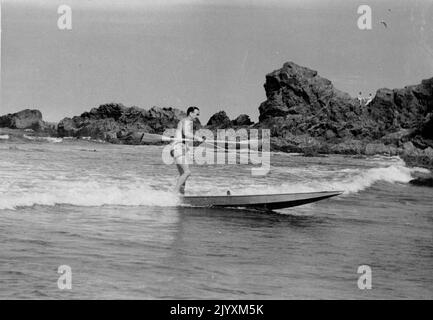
426, 130
402, 108
105, 111
119, 124
242, 120
422, 137
416, 157
96, 129
407, 109
282, 145
25, 119
132, 138
409, 149
219, 120
425, 182
110, 137
160, 119
428, 152
395, 138
67, 127
306, 103
300, 102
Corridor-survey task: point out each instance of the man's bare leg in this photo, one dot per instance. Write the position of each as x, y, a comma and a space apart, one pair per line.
184, 172
182, 187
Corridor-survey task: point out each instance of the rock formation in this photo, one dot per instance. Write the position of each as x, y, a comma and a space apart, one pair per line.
119, 124
300, 103
219, 120
29, 121
242, 120
25, 119
424, 182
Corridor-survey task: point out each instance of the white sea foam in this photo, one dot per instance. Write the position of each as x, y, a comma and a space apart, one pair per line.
86, 193
85, 139
43, 139
98, 141
4, 137
346, 180
364, 179
18, 190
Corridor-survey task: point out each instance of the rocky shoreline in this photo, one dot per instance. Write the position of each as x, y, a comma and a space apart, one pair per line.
307, 114
303, 111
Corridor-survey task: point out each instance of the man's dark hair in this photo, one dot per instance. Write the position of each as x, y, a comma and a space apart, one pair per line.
191, 109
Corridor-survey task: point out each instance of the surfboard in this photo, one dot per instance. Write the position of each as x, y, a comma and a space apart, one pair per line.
259, 201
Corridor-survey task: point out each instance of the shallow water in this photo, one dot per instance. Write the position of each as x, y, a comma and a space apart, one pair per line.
108, 213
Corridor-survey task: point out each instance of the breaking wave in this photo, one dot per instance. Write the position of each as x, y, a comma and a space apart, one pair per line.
358, 181
81, 193
307, 180
24, 185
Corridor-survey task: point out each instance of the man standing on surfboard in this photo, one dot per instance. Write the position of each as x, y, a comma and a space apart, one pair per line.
184, 134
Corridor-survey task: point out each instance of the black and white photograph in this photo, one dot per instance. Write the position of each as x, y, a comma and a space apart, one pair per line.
205, 150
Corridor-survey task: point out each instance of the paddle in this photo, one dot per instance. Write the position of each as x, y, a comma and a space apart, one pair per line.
152, 138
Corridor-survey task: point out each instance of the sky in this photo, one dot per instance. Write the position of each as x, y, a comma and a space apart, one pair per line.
213, 54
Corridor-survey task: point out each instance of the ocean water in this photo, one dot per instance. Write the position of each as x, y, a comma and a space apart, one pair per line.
108, 213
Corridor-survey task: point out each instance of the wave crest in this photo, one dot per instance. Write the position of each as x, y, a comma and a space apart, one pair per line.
89, 194
132, 191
